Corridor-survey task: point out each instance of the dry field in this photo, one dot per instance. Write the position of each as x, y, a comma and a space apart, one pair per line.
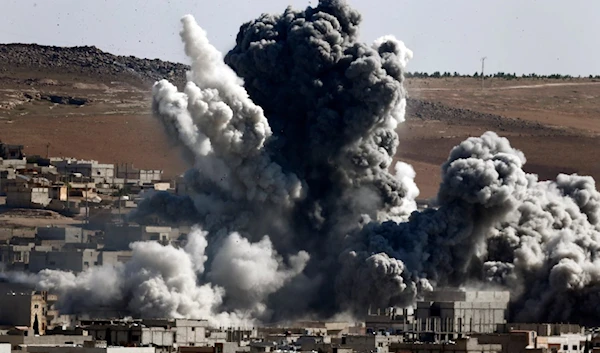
554, 122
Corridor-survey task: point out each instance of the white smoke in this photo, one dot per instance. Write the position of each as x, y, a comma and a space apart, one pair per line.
165, 281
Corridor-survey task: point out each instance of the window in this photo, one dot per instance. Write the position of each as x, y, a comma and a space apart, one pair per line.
36, 306
565, 347
574, 347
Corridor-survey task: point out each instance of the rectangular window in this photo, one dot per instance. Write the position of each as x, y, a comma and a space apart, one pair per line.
566, 347
36, 306
574, 347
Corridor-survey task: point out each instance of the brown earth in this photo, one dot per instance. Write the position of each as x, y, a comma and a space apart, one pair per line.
88, 104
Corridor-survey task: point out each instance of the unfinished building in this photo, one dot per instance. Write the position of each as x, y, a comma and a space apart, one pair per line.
449, 314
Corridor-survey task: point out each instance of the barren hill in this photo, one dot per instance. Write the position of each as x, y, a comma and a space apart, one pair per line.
87, 103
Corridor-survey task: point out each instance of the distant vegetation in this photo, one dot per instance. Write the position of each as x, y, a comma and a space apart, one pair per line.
503, 75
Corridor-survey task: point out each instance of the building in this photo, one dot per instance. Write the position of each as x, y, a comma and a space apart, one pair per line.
20, 305
21, 340
119, 236
27, 192
162, 334
461, 345
11, 151
65, 234
76, 260
391, 320
448, 314
98, 172
129, 173
367, 343
7, 174
105, 349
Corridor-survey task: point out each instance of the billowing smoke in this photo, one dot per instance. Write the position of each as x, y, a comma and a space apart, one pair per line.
300, 211
164, 281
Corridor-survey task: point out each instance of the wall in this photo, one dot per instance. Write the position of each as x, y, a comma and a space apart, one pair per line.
38, 310
75, 261
159, 336
5, 347
103, 172
118, 237
114, 257
25, 196
67, 234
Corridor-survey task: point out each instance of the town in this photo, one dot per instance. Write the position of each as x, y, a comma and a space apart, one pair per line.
71, 215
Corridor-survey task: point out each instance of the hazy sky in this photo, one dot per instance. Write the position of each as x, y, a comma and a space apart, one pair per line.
522, 36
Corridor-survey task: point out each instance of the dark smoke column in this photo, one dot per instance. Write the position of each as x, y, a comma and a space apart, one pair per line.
333, 104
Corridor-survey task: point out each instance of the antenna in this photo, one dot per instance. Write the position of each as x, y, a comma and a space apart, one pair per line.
482, 74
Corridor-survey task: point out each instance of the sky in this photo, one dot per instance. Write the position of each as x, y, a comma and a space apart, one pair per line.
520, 36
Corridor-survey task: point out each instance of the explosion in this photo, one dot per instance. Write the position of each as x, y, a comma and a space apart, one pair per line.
290, 138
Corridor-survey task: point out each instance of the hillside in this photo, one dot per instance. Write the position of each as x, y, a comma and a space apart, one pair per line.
87, 103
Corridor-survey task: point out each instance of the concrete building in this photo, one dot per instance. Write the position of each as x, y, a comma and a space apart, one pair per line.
98, 172
367, 343
74, 261
106, 349
11, 151
65, 234
16, 256
391, 320
27, 192
129, 173
449, 314
13, 163
7, 174
24, 341
119, 236
22, 306
162, 334
461, 345
564, 343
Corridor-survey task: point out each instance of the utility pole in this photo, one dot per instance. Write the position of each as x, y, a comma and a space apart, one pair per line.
482, 72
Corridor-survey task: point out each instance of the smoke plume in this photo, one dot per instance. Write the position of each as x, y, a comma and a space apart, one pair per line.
290, 139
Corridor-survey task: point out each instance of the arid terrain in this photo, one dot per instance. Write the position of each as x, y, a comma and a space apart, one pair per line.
84, 103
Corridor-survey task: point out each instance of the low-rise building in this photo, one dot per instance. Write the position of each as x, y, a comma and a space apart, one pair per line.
27, 192
11, 151
119, 236
20, 305
98, 172
461, 345
129, 173
162, 334
74, 261
89, 349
